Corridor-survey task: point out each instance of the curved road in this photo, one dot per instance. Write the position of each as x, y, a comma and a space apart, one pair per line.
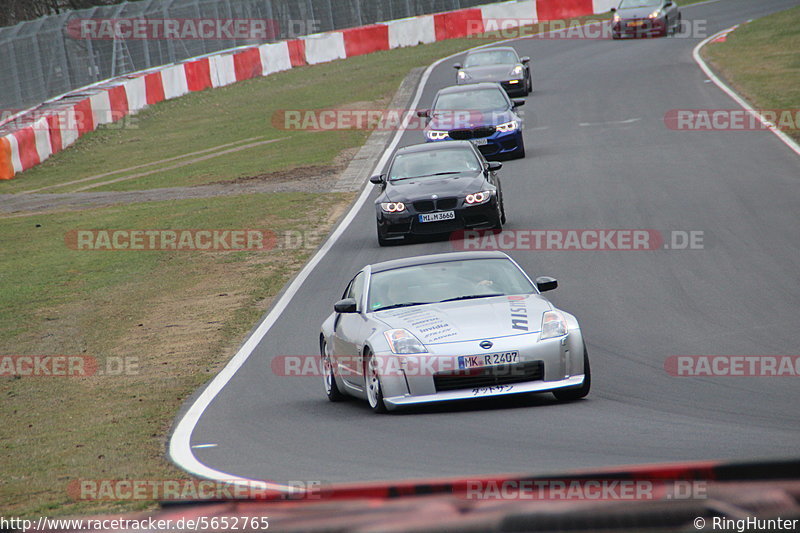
599, 156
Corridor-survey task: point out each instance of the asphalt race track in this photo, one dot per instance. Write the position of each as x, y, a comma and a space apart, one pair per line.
599, 157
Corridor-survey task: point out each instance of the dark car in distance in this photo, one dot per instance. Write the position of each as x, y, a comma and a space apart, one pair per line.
645, 18
438, 188
501, 64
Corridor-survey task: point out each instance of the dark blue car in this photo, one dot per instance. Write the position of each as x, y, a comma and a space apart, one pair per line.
481, 113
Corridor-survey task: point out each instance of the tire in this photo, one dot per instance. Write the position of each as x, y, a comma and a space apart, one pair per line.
576, 393
372, 384
382, 241
676, 30
328, 379
502, 211
529, 89
519, 153
616, 36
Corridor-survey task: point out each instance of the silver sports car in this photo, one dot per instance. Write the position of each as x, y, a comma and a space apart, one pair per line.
450, 326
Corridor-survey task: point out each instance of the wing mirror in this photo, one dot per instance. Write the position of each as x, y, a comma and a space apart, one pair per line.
458, 66
348, 305
493, 166
546, 283
525, 60
424, 113
518, 103
377, 180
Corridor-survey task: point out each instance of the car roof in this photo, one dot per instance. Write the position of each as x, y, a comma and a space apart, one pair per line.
493, 48
430, 147
470, 87
435, 258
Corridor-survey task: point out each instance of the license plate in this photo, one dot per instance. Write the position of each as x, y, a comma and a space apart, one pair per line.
489, 359
436, 217
480, 142
635, 23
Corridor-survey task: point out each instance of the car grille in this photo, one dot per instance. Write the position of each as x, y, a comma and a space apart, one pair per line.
441, 204
489, 376
465, 134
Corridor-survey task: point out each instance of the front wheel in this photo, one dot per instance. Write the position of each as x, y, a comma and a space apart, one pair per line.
329, 380
373, 384
576, 393
519, 153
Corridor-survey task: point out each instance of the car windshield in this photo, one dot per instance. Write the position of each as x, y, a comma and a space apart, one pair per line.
490, 99
434, 163
639, 3
491, 57
446, 281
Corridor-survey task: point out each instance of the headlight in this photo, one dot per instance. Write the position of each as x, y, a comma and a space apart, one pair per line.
553, 325
462, 75
402, 341
508, 126
436, 135
617, 18
655, 14
393, 207
478, 197
517, 71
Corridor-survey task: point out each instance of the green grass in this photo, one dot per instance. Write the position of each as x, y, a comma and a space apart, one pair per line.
761, 60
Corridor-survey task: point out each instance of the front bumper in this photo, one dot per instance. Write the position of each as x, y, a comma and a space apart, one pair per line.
498, 144
561, 363
640, 27
407, 224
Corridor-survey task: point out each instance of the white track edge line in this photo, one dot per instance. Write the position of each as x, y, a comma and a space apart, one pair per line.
788, 141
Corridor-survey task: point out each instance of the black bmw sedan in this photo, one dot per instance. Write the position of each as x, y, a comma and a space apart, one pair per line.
438, 188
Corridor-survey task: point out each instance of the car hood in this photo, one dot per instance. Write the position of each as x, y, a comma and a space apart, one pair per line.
422, 188
450, 120
467, 320
489, 72
635, 12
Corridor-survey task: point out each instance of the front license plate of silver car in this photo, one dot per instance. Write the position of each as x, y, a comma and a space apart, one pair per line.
489, 359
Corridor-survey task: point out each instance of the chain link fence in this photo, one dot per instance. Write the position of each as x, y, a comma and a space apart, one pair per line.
53, 55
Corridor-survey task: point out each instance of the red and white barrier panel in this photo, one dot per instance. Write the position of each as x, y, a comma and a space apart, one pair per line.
61, 123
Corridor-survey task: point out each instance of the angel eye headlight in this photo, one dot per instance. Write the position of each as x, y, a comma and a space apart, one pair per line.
617, 18
402, 341
435, 135
478, 197
508, 126
655, 14
462, 75
393, 207
517, 71
553, 325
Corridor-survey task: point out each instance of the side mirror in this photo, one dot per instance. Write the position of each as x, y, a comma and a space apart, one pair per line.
348, 305
545, 283
494, 165
377, 180
525, 59
518, 103
424, 113
668, 3
613, 10
458, 66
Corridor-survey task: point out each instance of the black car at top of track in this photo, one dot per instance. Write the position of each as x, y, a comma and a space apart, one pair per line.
438, 188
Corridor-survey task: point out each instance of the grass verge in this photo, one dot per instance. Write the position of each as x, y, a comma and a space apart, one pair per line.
760, 61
